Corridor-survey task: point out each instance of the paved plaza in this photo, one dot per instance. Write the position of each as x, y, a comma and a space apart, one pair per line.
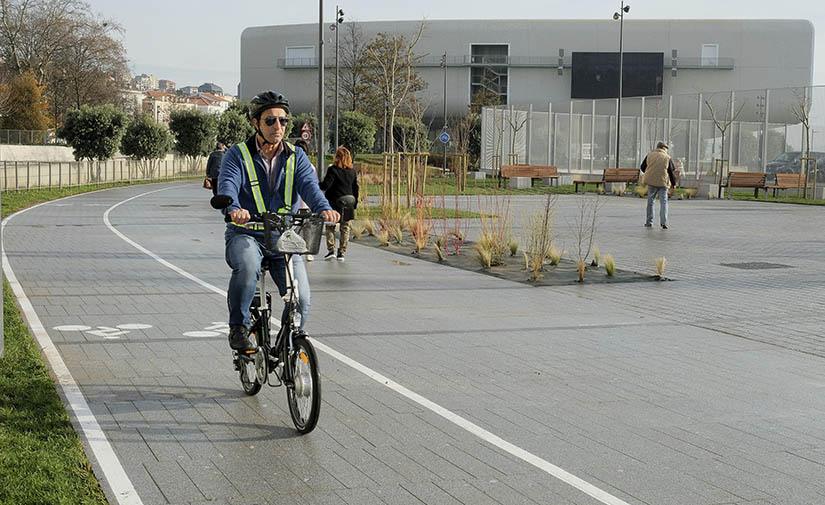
440, 385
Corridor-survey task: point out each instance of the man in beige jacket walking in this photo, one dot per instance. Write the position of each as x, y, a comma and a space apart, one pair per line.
659, 177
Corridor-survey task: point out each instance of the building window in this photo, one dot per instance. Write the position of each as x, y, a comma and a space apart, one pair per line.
300, 56
710, 55
488, 73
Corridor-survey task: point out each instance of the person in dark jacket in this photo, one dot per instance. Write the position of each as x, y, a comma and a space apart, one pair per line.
340, 186
213, 166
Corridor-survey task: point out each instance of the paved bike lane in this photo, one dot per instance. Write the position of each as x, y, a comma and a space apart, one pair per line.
602, 392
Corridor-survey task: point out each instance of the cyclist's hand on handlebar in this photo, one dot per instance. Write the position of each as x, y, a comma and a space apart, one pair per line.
239, 216
330, 216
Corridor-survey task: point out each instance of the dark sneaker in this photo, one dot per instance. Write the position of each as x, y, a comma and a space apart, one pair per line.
340, 256
664, 227
329, 255
239, 339
648, 225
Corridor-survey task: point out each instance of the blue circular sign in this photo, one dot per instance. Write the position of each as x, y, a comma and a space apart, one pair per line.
444, 137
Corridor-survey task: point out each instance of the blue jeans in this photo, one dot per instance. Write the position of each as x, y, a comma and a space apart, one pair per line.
244, 254
299, 271
652, 191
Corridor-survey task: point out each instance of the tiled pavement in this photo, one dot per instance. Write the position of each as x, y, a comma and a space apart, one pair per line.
704, 390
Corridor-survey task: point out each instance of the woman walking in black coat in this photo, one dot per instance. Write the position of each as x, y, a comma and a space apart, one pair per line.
340, 186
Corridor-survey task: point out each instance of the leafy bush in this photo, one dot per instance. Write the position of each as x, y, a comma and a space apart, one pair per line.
94, 132
194, 132
147, 142
356, 132
233, 127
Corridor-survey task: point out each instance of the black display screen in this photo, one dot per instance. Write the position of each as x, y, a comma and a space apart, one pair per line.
596, 75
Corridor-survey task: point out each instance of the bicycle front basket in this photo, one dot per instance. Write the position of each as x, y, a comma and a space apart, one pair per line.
303, 238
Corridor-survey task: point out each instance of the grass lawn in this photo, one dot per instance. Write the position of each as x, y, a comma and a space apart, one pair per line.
437, 185
41, 457
789, 198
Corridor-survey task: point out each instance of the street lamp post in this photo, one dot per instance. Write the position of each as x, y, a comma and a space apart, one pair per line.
620, 17
339, 18
444, 66
321, 150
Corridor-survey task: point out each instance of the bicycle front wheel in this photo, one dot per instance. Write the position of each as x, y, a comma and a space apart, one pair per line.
304, 397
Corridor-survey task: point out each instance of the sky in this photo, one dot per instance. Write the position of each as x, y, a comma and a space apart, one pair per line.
192, 42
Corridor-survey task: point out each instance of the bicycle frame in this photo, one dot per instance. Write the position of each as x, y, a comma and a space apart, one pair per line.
283, 340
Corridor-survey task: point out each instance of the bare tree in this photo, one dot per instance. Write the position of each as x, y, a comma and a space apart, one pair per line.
416, 108
584, 230
801, 110
353, 62
392, 69
70, 50
723, 123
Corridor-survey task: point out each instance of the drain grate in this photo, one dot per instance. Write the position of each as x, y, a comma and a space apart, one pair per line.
755, 265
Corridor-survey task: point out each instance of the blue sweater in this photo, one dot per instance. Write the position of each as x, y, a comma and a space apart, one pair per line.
233, 181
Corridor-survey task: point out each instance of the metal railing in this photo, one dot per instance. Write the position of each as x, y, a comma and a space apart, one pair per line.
20, 175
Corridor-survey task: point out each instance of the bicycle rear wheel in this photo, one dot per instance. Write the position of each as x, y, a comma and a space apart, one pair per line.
305, 397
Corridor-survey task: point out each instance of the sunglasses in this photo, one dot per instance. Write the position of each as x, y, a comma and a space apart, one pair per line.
271, 120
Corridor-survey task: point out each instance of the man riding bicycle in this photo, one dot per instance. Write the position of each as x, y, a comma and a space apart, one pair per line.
264, 173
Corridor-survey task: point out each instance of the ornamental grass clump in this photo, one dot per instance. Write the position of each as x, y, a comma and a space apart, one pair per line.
660, 266
555, 255
395, 231
438, 252
357, 229
580, 268
383, 237
609, 265
596, 257
369, 227
513, 247
640, 190
483, 254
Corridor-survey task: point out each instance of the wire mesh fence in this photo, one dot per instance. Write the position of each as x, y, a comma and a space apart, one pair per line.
19, 175
766, 130
27, 137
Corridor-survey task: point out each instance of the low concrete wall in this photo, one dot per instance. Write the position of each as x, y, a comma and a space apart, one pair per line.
45, 154
35, 153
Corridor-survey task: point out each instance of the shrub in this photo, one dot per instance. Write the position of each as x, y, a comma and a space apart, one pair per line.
195, 133
640, 190
660, 266
233, 127
609, 265
555, 255
356, 132
147, 142
94, 132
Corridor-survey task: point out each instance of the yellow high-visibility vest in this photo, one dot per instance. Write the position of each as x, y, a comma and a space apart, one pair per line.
256, 185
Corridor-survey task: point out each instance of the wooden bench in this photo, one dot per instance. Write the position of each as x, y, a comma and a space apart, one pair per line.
531, 171
787, 181
625, 175
755, 180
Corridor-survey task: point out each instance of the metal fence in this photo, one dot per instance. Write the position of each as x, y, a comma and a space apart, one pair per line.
17, 175
579, 136
27, 137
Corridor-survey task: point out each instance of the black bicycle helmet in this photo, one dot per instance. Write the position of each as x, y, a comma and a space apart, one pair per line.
267, 100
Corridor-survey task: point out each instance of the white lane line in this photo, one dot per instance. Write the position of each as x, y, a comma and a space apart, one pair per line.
113, 472
150, 253
526, 456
